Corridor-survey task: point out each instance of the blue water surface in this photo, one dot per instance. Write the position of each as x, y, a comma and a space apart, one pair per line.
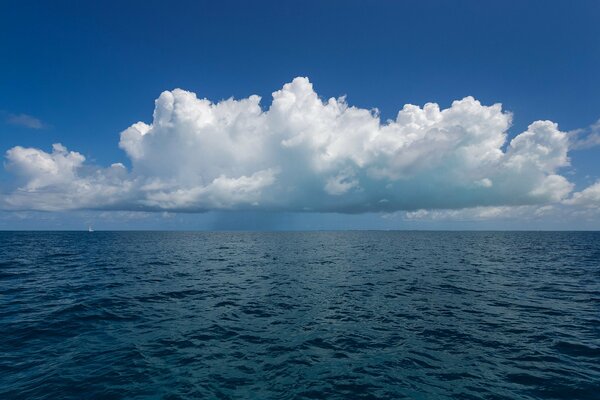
300, 315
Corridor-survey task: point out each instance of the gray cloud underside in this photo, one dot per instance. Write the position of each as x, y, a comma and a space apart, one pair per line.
304, 154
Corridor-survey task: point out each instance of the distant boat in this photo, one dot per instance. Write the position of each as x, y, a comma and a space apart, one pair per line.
90, 229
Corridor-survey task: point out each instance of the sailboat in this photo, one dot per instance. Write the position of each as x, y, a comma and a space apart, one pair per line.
90, 229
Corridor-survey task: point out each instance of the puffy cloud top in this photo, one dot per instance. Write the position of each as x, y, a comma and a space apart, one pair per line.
304, 153
40, 169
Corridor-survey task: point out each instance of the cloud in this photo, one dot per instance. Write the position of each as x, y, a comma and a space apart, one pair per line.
585, 138
589, 197
303, 154
61, 181
25, 120
521, 213
40, 169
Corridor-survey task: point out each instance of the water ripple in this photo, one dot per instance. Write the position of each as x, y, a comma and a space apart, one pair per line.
320, 315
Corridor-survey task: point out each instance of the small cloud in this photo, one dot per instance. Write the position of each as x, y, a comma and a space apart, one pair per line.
585, 138
25, 120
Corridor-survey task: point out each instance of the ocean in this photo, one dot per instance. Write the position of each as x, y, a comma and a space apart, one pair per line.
300, 315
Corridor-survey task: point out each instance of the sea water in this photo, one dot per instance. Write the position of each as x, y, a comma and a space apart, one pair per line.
300, 315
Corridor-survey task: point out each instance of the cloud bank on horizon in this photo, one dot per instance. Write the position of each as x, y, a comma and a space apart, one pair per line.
306, 154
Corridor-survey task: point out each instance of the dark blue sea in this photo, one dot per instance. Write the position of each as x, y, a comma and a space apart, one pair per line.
313, 315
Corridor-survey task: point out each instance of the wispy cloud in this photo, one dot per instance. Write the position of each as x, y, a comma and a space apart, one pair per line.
585, 138
25, 120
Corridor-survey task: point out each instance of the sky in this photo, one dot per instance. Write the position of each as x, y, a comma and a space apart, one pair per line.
231, 115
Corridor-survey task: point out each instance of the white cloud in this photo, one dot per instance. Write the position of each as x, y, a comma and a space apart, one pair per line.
589, 197
25, 120
585, 138
60, 181
40, 169
304, 153
521, 213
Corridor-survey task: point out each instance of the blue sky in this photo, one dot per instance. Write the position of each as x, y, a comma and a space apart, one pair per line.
79, 73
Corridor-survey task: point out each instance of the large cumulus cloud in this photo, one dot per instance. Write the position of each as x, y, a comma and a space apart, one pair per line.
303, 154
